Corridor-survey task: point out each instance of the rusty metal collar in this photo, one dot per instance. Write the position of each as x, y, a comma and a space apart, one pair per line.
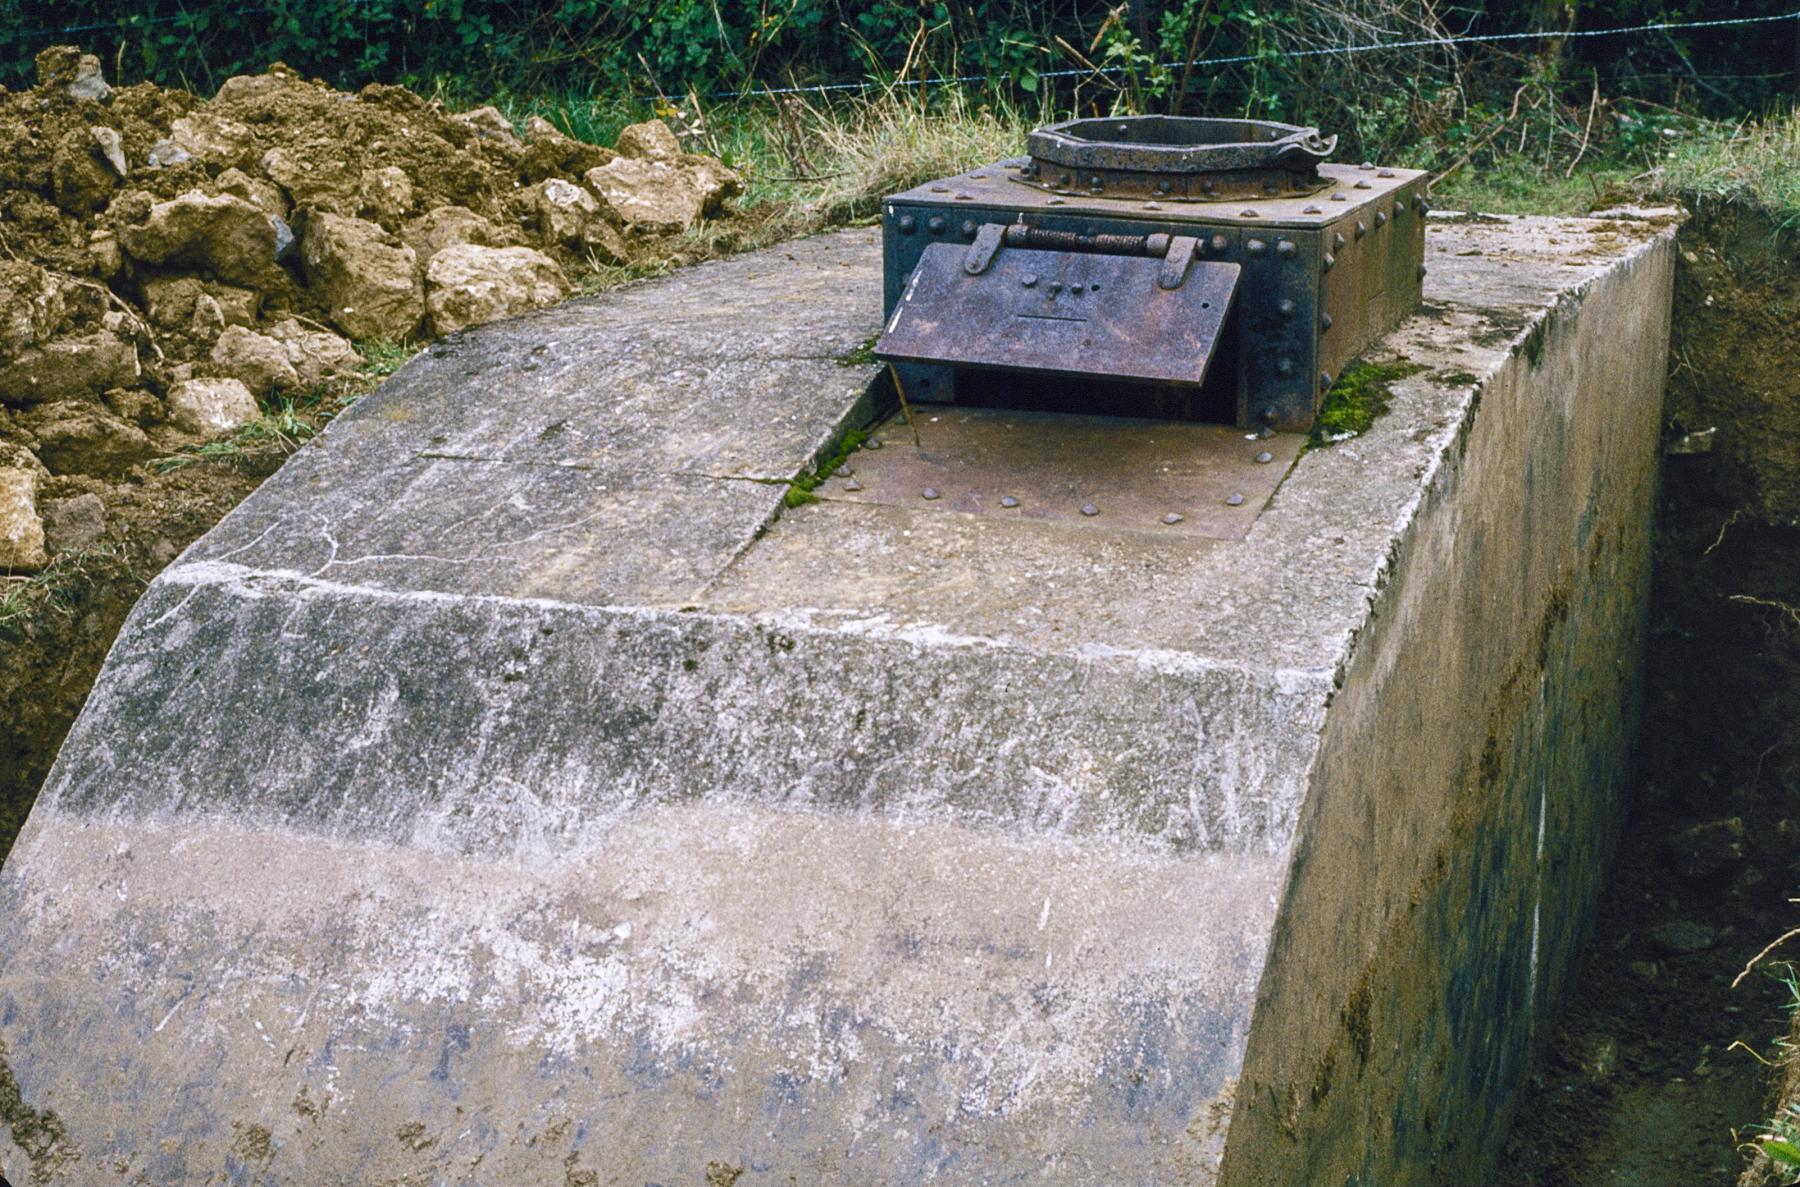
1175, 157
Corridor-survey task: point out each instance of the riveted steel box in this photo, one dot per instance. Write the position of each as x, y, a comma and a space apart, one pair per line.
1310, 264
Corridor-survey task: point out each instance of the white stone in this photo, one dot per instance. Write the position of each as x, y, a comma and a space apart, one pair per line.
212, 407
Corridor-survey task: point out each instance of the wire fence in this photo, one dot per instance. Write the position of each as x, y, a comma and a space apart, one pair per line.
1447, 42
1240, 59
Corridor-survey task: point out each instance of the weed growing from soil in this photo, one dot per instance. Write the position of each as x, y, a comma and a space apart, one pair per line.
48, 590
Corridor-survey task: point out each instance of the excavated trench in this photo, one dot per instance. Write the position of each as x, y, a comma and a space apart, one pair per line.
1646, 1079
1640, 1080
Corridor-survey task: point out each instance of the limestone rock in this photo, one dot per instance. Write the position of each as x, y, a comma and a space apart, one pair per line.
170, 301
77, 73
386, 194
222, 233
241, 89
490, 123
562, 211
549, 153
105, 260
649, 141
112, 149
315, 355
136, 405
214, 139
370, 285
211, 407
69, 368
71, 525
166, 154
432, 232
469, 284
260, 361
264, 195
80, 437
21, 531
662, 195
82, 177
328, 186
31, 306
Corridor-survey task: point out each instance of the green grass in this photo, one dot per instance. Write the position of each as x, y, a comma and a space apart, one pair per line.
49, 589
1523, 187
1752, 163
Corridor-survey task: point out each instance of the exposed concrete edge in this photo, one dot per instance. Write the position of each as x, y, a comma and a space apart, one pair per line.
1399, 1043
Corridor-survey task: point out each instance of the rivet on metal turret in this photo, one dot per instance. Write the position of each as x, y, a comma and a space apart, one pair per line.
1385, 173
928, 493
1399, 209
1361, 228
1329, 261
1285, 248
1337, 241
1366, 165
1008, 501
1381, 218
1339, 197
908, 224
936, 225
1313, 210
1255, 247
1363, 184
1247, 214
1089, 510
1267, 415
1324, 322
1234, 500
1284, 367
969, 227
1324, 379
1264, 458
1218, 244
1172, 518
1421, 272
1285, 308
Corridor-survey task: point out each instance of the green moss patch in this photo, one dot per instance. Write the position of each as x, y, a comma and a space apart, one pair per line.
800, 490
1359, 396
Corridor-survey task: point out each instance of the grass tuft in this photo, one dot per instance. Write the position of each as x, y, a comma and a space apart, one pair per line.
1752, 163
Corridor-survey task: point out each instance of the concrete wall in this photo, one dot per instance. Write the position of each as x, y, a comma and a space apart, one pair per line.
1470, 781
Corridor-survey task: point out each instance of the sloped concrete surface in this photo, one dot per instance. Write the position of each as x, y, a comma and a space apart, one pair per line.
512, 791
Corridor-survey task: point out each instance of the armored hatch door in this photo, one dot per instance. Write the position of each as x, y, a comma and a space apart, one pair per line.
1146, 317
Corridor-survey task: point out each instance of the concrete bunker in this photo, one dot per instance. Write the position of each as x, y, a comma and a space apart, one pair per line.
483, 801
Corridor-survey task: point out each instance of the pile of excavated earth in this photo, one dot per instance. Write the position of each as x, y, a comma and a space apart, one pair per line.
167, 261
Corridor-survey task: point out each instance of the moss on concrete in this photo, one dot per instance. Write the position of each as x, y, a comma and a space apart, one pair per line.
1359, 396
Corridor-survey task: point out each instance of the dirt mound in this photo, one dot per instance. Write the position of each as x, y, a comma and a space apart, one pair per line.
152, 240
167, 261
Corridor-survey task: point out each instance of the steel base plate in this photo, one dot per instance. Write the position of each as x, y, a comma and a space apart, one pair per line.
1101, 472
